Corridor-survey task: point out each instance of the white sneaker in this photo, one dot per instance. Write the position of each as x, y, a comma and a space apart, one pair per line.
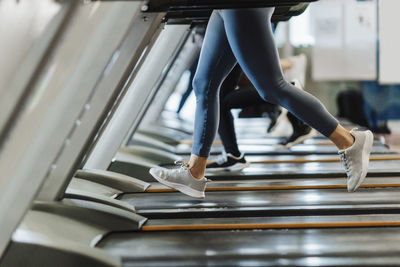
180, 179
356, 158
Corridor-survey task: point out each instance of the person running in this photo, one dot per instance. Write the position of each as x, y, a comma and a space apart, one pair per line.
247, 96
245, 36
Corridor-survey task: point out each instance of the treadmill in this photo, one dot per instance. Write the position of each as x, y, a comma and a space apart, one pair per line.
86, 230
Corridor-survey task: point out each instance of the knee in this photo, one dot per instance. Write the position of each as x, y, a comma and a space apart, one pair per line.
203, 86
199, 84
275, 93
198, 88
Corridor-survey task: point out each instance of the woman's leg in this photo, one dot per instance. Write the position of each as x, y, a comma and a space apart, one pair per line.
226, 127
215, 62
250, 37
241, 98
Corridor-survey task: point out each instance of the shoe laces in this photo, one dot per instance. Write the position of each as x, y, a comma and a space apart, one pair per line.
184, 167
182, 164
345, 162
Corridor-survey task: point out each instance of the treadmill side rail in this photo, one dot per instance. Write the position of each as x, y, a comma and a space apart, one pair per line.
64, 235
115, 180
104, 216
85, 195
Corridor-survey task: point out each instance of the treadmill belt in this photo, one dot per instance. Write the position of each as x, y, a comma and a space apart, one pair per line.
322, 141
269, 140
293, 247
283, 184
300, 149
265, 203
276, 222
304, 170
313, 158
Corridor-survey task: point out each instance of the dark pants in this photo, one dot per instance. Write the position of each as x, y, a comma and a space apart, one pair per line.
235, 99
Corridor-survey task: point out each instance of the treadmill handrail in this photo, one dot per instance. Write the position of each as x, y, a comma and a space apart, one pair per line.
169, 5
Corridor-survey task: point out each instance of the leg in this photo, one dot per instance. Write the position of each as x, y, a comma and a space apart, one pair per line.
226, 128
215, 63
234, 159
241, 98
258, 57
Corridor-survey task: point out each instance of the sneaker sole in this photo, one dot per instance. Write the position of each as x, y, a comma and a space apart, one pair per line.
234, 168
365, 161
180, 187
302, 138
238, 167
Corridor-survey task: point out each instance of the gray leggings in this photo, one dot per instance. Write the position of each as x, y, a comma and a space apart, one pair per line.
245, 36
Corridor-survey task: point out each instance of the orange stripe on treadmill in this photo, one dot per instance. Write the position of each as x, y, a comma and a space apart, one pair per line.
304, 160
289, 187
219, 143
267, 226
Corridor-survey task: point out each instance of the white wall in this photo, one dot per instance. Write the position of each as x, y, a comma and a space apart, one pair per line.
389, 37
345, 39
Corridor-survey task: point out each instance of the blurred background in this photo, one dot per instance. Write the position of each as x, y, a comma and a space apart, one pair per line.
352, 60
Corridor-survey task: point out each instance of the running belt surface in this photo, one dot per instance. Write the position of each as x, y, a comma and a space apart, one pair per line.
300, 149
284, 184
304, 170
313, 158
293, 247
265, 203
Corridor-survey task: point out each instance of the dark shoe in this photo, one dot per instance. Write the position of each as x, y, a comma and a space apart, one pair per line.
276, 117
382, 129
300, 134
228, 162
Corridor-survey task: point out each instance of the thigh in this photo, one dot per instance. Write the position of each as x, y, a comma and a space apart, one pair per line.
216, 58
250, 36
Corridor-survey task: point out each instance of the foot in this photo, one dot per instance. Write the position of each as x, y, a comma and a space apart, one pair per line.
301, 132
356, 158
276, 117
180, 179
228, 162
382, 129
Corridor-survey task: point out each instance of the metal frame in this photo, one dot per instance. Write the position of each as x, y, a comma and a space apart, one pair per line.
119, 68
85, 72
129, 112
172, 5
28, 55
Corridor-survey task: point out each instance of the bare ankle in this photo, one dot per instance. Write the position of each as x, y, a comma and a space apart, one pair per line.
342, 138
197, 166
196, 173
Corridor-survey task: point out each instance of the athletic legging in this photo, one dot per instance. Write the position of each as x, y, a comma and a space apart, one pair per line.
245, 36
